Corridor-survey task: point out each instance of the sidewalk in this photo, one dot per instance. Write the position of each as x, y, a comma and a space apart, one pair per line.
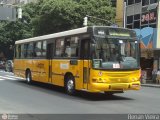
150, 85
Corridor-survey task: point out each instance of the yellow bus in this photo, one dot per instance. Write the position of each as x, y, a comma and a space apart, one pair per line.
94, 59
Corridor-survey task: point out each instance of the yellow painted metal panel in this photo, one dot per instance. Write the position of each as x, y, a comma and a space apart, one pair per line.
97, 81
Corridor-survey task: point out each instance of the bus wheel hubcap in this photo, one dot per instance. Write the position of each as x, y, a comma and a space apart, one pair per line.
28, 77
70, 85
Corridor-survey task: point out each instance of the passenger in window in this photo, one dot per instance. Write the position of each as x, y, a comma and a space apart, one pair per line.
68, 51
114, 55
101, 54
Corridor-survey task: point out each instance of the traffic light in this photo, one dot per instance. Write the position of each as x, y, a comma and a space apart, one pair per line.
19, 13
85, 21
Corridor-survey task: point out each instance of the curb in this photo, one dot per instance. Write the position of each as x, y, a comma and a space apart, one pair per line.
150, 85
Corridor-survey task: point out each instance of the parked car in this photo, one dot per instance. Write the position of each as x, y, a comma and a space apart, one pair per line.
9, 66
2, 65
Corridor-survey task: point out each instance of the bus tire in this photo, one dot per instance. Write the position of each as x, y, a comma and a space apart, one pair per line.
28, 77
70, 85
109, 93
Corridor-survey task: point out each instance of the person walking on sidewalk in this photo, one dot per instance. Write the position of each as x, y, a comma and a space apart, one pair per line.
158, 77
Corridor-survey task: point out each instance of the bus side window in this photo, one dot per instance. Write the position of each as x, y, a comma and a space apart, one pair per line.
22, 50
59, 51
74, 46
34, 50
67, 48
30, 50
38, 49
44, 49
85, 49
19, 51
71, 47
50, 50
25, 50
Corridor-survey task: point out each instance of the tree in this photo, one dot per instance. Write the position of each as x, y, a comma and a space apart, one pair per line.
16, 30
59, 15
51, 16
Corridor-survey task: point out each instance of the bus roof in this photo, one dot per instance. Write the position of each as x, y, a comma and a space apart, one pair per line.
55, 35
62, 34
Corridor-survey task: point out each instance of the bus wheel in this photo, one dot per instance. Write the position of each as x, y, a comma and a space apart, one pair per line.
109, 93
28, 77
70, 85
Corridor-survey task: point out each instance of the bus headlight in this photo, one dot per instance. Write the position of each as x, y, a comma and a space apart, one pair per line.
100, 80
134, 79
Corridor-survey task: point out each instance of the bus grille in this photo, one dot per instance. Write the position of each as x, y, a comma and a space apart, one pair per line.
119, 80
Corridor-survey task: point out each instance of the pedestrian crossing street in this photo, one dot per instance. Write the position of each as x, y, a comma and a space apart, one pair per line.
9, 77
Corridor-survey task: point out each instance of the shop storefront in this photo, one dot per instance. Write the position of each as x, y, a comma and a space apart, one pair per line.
142, 16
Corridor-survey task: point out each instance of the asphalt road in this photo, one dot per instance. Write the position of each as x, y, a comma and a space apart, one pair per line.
18, 97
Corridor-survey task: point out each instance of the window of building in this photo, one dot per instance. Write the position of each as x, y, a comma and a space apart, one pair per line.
114, 3
153, 16
145, 18
145, 2
137, 17
137, 1
143, 26
136, 24
153, 25
144, 9
129, 19
130, 26
130, 2
149, 17
153, 1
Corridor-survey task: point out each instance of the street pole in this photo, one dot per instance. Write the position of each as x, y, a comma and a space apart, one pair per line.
85, 21
124, 15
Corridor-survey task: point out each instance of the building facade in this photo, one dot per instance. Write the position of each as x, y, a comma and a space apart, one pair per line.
120, 13
143, 16
16, 1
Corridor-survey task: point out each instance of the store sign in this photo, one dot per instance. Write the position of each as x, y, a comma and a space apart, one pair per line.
117, 32
148, 17
113, 33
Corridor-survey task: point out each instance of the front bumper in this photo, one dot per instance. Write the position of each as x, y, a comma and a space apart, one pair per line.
105, 87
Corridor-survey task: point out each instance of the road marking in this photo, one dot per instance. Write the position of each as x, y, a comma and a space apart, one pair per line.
10, 77
1, 79
7, 78
14, 77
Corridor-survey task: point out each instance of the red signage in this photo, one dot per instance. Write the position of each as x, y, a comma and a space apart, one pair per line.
148, 17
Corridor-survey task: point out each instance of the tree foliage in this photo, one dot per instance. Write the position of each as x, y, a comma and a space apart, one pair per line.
60, 15
51, 16
12, 31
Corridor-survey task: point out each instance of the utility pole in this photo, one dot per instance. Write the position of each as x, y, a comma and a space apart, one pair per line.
19, 13
85, 21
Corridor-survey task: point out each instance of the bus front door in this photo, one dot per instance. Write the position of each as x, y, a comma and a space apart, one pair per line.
50, 47
85, 56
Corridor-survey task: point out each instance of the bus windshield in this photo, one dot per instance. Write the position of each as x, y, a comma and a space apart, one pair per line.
115, 53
